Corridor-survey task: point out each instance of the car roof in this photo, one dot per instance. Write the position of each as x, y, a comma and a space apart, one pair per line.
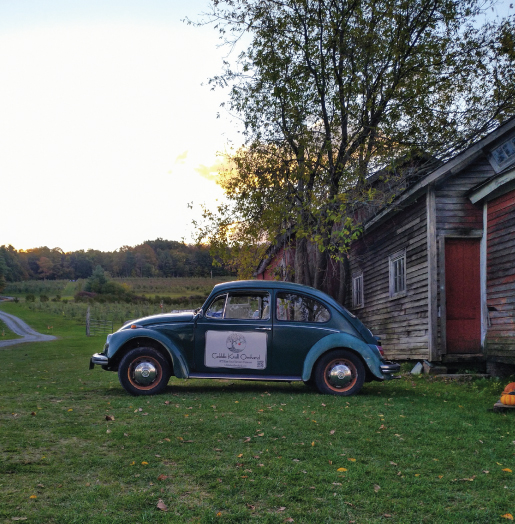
269, 284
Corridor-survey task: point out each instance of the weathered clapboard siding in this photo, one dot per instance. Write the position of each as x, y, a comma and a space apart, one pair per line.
402, 321
501, 275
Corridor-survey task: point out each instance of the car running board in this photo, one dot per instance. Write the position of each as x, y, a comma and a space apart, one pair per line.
228, 376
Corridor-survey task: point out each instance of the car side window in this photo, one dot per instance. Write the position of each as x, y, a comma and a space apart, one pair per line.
216, 309
298, 308
248, 306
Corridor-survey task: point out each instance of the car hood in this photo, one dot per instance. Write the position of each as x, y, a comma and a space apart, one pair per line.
166, 318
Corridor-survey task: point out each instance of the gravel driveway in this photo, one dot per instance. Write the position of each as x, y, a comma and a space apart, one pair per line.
16, 325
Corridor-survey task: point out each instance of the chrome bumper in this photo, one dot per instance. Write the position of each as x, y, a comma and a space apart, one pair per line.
99, 360
390, 367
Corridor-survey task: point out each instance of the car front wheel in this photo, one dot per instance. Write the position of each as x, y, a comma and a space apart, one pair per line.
144, 371
339, 373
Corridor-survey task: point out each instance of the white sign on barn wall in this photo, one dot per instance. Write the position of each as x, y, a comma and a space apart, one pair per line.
232, 349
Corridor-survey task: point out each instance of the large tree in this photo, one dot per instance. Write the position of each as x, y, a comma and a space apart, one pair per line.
330, 91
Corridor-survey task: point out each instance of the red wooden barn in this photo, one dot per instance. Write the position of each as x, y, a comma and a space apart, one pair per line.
433, 273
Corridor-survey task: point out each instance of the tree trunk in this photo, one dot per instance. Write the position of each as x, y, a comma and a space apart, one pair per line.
344, 276
320, 271
302, 272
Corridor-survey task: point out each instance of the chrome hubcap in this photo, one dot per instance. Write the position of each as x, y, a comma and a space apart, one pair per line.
145, 373
339, 376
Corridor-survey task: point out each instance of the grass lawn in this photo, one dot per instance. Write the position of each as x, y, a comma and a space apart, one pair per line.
6, 333
411, 450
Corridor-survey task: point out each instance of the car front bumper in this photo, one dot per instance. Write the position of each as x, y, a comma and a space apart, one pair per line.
98, 359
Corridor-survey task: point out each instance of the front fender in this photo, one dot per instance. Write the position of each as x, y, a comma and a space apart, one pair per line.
341, 341
120, 338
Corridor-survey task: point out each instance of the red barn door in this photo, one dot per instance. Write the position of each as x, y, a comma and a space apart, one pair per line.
463, 297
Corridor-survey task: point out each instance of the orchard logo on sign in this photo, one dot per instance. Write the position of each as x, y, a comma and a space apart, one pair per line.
236, 342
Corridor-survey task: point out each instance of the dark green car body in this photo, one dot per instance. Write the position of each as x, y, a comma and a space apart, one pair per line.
249, 330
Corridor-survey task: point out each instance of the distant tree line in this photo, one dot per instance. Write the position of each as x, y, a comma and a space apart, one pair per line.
153, 258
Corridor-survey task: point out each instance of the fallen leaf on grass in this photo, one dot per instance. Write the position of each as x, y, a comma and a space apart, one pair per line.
282, 508
33, 414
387, 515
33, 497
161, 505
247, 439
393, 463
351, 460
341, 469
508, 516
332, 432
289, 519
144, 463
162, 477
508, 470
486, 471
18, 518
109, 417
377, 487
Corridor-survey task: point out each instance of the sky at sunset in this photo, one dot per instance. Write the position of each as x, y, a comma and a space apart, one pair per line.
106, 133
107, 136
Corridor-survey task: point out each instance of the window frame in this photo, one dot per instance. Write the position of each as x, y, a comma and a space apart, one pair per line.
358, 292
394, 274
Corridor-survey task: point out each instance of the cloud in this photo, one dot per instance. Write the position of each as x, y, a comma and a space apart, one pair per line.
211, 172
181, 159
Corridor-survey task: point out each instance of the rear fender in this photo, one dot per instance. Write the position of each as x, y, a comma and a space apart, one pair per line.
341, 341
118, 340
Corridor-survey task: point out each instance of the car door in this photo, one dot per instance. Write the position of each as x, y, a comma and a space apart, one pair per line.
234, 334
300, 322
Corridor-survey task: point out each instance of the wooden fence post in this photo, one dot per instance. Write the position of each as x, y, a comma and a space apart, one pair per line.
88, 319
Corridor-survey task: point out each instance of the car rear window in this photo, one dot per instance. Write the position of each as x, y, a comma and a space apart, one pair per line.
292, 307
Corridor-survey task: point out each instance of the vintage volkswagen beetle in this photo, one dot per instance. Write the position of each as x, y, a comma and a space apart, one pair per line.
249, 330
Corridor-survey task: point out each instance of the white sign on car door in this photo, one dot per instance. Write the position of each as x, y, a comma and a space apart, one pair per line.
233, 349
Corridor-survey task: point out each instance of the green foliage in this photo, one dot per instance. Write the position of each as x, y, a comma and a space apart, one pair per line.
30, 298
43, 298
97, 281
153, 258
331, 91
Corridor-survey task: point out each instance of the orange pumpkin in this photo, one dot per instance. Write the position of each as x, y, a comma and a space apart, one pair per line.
508, 400
509, 388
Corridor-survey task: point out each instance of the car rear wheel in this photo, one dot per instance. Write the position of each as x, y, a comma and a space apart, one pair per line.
144, 371
339, 373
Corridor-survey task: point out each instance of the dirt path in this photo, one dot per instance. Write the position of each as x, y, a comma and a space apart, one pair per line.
16, 325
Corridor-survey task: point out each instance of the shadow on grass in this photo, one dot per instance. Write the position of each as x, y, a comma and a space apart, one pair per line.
217, 386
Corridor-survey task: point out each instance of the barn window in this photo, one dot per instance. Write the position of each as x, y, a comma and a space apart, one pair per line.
398, 273
357, 290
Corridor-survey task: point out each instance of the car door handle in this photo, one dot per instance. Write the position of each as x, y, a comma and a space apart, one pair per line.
264, 328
